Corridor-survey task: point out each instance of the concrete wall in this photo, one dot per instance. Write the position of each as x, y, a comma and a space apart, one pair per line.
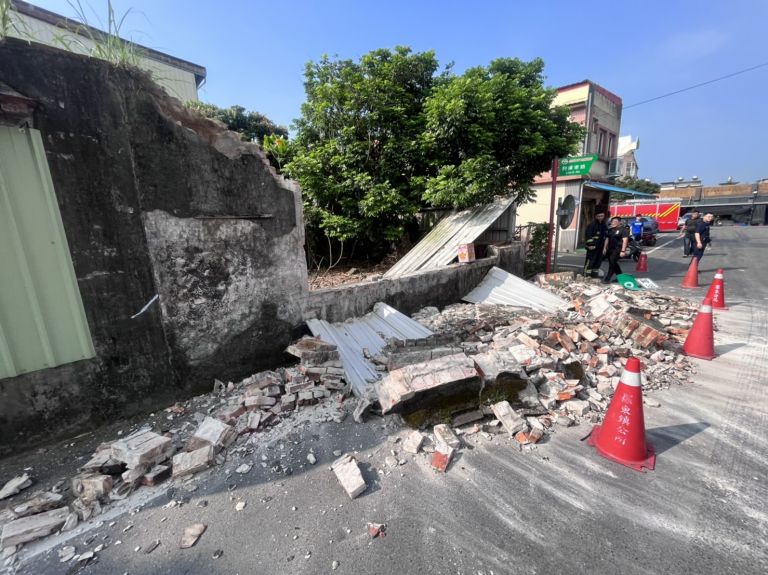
407, 294
154, 200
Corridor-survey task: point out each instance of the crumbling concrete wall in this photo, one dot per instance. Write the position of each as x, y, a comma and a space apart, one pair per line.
409, 293
154, 200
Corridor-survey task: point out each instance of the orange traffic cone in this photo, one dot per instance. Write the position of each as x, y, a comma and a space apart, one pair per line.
691, 279
701, 340
642, 263
621, 437
717, 291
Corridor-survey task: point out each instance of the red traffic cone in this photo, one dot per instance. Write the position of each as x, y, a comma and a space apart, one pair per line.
701, 341
642, 263
691, 279
717, 291
621, 437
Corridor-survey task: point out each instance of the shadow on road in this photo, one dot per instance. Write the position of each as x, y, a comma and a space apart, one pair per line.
665, 438
728, 347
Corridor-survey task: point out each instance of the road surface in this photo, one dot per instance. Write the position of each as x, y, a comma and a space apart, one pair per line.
557, 509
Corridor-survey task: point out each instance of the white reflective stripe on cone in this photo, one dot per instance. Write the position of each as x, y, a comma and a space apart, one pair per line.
630, 378
706, 309
718, 276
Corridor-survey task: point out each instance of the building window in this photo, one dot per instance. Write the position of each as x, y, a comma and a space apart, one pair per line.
594, 125
601, 143
611, 144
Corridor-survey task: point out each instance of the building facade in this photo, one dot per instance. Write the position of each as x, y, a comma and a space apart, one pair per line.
599, 111
180, 78
627, 162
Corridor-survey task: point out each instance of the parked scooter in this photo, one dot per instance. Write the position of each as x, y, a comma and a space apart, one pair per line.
648, 239
633, 249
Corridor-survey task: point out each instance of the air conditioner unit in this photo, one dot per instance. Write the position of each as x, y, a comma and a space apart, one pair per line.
614, 167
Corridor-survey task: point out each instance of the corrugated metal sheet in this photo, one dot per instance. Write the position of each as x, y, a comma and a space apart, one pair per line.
368, 333
440, 246
42, 322
502, 288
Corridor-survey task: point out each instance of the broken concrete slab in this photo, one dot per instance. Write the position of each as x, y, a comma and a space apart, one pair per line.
39, 503
212, 432
509, 418
26, 529
348, 473
143, 448
185, 463
15, 485
403, 384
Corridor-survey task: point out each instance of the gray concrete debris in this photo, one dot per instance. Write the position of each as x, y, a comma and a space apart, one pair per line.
348, 473
191, 535
413, 442
15, 485
444, 436
26, 529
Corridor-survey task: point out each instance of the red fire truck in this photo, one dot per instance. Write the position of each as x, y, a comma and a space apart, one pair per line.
666, 212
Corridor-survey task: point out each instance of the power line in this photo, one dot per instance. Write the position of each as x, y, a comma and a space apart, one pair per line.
698, 85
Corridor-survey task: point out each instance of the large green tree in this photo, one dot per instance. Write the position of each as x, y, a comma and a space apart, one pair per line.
253, 126
491, 131
381, 138
358, 152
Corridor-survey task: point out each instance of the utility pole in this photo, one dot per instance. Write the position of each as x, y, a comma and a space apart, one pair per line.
551, 229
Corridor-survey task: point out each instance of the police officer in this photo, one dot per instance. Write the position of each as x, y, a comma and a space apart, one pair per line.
595, 234
688, 231
701, 236
615, 247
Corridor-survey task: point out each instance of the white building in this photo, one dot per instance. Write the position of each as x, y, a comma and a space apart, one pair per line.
181, 79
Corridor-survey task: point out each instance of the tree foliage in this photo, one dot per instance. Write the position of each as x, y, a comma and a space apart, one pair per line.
358, 150
383, 137
637, 184
253, 126
491, 131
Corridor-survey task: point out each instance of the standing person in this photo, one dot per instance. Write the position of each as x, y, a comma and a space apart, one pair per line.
637, 228
701, 236
688, 231
595, 235
615, 247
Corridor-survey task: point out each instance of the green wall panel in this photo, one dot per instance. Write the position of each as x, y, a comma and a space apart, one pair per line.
42, 322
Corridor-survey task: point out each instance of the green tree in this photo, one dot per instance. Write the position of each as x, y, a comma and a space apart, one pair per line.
491, 131
357, 151
637, 184
253, 126
381, 138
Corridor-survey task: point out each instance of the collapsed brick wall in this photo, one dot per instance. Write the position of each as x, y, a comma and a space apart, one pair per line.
154, 200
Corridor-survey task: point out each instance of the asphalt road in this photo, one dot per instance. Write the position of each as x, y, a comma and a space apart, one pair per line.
557, 509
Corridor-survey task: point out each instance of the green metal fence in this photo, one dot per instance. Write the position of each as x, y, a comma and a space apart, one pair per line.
42, 321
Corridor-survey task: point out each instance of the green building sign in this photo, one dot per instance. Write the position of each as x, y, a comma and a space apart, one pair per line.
576, 165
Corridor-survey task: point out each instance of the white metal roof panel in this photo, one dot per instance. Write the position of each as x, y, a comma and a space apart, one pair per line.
439, 247
369, 333
502, 288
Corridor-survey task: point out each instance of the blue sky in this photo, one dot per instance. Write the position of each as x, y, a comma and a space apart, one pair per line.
255, 54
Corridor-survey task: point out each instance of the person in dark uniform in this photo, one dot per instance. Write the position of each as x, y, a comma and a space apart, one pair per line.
688, 232
701, 236
595, 240
615, 247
